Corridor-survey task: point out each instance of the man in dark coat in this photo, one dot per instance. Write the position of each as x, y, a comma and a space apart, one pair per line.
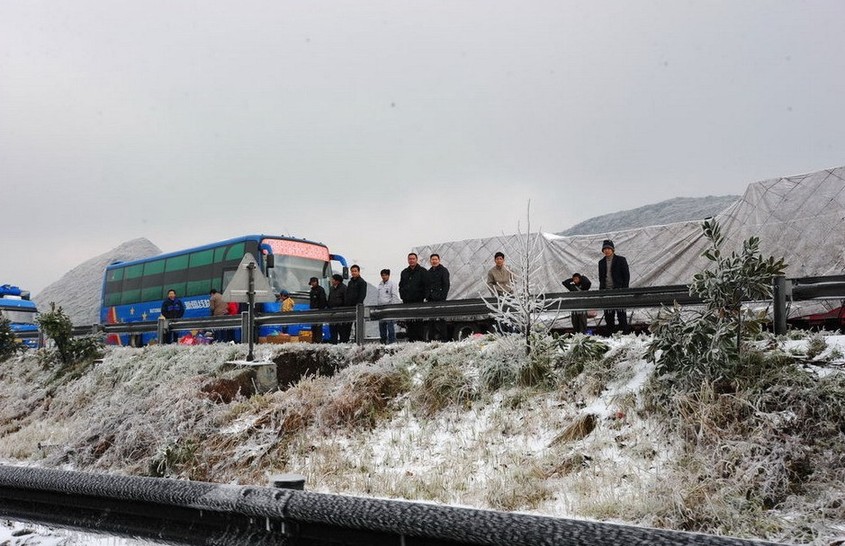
614, 274
438, 290
337, 298
413, 288
172, 308
317, 300
356, 292
577, 283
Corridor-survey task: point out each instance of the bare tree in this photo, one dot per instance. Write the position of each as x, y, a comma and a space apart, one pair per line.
525, 309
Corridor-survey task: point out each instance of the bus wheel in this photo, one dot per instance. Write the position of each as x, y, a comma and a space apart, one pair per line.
464, 330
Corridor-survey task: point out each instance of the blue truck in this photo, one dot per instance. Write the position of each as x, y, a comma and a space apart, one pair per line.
16, 307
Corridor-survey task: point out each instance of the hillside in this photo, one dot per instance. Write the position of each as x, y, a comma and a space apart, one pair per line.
79, 290
679, 209
583, 430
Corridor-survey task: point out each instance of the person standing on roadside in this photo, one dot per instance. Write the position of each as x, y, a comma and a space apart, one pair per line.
172, 308
499, 277
614, 274
356, 292
388, 293
413, 288
577, 283
438, 290
286, 304
317, 300
337, 299
219, 308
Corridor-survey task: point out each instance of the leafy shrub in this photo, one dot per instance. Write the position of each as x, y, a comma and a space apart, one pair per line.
68, 350
706, 346
8, 344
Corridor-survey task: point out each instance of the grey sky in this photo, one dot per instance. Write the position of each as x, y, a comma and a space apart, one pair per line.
376, 126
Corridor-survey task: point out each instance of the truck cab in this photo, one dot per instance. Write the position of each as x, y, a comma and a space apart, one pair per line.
16, 307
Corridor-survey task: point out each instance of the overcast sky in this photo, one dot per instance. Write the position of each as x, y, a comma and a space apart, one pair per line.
378, 125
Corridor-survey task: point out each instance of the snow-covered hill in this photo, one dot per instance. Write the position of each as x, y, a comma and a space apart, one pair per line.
78, 291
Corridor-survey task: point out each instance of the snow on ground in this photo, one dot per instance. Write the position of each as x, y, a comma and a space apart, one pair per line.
459, 456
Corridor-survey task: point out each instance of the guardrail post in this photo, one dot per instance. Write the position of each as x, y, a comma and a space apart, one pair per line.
359, 324
245, 329
288, 481
779, 303
161, 329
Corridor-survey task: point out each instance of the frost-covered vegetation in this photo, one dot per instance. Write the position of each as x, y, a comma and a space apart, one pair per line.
581, 427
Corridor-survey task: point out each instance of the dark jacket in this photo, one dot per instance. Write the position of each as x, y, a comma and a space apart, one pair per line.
413, 284
337, 296
618, 272
438, 283
584, 285
356, 291
172, 309
317, 298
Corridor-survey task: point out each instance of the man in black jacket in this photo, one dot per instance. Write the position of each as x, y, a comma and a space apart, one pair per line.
356, 292
577, 283
413, 288
317, 300
438, 290
614, 274
337, 298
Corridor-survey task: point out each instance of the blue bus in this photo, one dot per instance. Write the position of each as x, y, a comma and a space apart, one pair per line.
133, 291
16, 307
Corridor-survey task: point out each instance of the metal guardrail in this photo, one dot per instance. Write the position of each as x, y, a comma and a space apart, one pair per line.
184, 512
802, 289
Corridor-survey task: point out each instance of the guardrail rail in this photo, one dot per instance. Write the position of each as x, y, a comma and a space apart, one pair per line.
185, 512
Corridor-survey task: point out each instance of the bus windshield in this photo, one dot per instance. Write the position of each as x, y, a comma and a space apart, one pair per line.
292, 273
18, 316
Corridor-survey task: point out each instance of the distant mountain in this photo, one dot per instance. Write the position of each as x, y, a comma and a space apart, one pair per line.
78, 291
679, 209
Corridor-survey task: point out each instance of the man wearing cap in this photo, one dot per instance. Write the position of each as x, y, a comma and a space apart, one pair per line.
576, 283
613, 274
317, 300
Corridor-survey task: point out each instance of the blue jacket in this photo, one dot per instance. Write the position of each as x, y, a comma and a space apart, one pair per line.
172, 309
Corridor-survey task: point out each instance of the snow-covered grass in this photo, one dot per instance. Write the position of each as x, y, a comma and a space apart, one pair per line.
460, 423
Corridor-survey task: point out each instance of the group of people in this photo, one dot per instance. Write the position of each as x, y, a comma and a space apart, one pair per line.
416, 285
173, 308
613, 274
340, 295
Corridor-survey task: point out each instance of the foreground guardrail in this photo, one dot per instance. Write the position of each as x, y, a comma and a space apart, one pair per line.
183, 512
802, 289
